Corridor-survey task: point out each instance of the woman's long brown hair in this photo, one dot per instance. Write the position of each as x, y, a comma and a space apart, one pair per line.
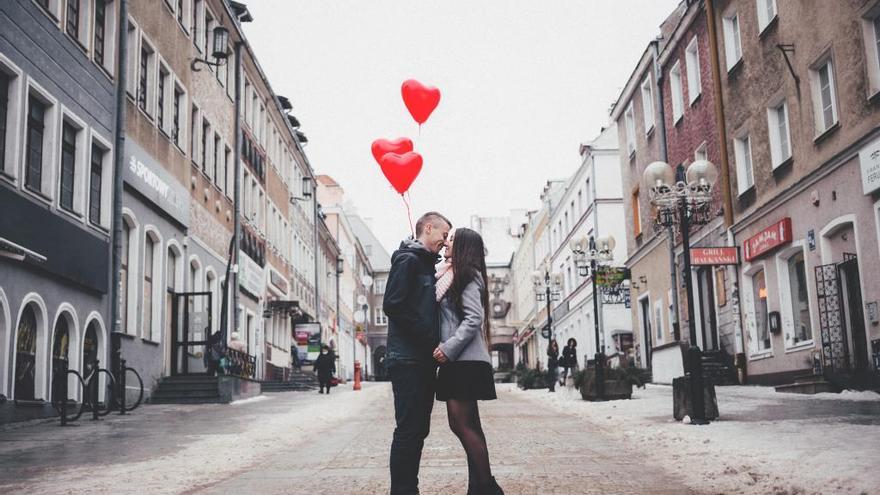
469, 261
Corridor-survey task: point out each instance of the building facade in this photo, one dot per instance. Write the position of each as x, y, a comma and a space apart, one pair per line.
57, 128
380, 263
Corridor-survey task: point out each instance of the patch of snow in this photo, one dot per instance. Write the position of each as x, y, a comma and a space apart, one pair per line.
250, 400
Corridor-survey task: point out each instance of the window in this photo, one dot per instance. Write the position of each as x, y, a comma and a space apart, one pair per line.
149, 247
871, 39
146, 78
132, 48
824, 96
636, 213
692, 63
164, 85
219, 173
230, 171
658, 320
800, 304
34, 158
181, 11
73, 11
68, 165
647, 104
630, 129
675, 87
732, 41
766, 13
194, 135
761, 340
745, 177
206, 134
198, 26
178, 102
96, 179
5, 79
208, 27
780, 139
701, 153
379, 286
100, 30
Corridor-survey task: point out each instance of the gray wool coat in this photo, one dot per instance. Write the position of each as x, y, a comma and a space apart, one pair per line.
462, 338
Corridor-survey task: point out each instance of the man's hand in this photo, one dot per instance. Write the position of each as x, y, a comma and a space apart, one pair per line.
439, 356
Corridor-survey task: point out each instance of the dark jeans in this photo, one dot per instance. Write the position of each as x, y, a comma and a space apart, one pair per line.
413, 387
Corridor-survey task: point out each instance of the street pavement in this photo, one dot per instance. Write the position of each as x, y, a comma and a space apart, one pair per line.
304, 442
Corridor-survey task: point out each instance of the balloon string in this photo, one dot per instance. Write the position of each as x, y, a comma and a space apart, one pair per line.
409, 215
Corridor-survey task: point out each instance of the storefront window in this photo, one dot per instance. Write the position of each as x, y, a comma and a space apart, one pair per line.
800, 304
759, 286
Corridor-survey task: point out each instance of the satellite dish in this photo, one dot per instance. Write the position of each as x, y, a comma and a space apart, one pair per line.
359, 316
367, 281
362, 300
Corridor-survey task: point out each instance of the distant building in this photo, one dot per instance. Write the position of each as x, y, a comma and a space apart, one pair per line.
380, 261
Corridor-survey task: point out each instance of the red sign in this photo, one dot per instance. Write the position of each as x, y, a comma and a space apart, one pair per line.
714, 256
768, 239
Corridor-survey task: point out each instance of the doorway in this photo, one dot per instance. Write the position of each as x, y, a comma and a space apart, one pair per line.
645, 315
706, 307
852, 294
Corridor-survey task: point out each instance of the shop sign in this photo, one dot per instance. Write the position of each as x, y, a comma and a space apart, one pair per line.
714, 256
611, 276
768, 239
869, 160
149, 178
250, 275
278, 280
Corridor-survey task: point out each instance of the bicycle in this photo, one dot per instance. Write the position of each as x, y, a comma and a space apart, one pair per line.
92, 384
123, 380
68, 409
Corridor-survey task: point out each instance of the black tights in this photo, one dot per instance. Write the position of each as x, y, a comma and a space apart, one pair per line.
464, 420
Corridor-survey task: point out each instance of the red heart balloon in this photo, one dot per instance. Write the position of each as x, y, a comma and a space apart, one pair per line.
401, 170
419, 99
382, 146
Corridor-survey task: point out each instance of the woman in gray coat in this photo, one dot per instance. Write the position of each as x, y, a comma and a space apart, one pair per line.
465, 374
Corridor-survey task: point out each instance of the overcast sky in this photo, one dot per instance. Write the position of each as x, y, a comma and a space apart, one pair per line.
523, 84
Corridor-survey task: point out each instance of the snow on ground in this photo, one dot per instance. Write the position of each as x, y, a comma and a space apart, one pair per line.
764, 442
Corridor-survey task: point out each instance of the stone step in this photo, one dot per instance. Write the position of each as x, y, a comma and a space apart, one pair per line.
177, 394
187, 400
816, 386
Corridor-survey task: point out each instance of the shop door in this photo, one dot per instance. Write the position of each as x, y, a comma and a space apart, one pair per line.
191, 327
708, 318
645, 307
852, 294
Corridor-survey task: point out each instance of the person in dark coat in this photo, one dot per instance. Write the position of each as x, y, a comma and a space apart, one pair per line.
325, 365
413, 334
552, 364
569, 361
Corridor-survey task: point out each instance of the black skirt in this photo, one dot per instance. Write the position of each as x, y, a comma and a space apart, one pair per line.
466, 380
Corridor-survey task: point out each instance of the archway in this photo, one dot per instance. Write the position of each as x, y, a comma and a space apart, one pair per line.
379, 370
61, 338
26, 354
5, 347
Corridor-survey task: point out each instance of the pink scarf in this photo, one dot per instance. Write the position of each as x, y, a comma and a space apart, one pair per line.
444, 278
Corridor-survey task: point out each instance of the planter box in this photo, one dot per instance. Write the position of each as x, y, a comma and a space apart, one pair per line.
614, 389
681, 394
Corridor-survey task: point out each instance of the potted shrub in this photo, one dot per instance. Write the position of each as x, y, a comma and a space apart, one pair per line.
618, 383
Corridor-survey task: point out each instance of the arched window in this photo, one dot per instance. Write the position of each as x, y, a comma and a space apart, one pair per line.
60, 347
123, 274
211, 287
90, 349
26, 354
149, 246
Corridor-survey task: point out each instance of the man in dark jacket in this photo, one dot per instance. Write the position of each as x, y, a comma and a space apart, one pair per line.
325, 365
413, 334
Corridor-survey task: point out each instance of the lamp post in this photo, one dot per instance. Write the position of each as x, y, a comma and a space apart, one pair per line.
683, 199
588, 254
547, 289
361, 318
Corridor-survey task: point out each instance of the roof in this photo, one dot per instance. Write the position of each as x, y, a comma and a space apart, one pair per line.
327, 180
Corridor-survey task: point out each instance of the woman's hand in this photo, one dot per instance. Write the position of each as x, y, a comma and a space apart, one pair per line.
439, 356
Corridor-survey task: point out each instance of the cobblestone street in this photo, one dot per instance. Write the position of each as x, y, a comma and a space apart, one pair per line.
310, 443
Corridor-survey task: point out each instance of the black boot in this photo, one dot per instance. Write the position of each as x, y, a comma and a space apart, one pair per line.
494, 489
490, 488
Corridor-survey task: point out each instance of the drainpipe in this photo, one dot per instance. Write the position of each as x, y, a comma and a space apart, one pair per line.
720, 123
236, 193
118, 167
664, 155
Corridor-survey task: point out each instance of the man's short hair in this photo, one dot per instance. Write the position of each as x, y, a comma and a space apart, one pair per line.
430, 217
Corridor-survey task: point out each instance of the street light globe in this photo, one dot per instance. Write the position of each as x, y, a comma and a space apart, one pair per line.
557, 279
606, 244
367, 281
578, 244
537, 277
658, 174
702, 172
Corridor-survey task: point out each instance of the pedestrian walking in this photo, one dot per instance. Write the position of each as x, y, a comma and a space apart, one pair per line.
413, 334
465, 375
325, 365
552, 364
569, 360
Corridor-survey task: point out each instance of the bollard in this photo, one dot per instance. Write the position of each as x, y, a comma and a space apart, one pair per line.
121, 380
357, 375
600, 376
93, 391
63, 393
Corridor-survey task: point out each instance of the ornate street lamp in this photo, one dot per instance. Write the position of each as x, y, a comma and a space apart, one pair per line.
681, 200
547, 288
219, 50
589, 252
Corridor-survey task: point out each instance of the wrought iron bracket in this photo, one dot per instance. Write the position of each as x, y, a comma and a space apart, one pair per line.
787, 49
